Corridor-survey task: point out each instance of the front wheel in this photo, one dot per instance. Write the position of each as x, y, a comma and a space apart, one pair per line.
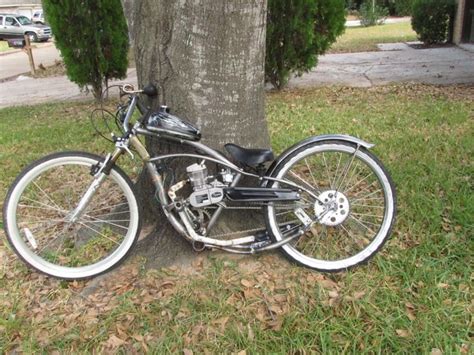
351, 205
33, 36
38, 221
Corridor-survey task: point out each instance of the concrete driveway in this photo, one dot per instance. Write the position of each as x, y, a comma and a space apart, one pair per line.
452, 65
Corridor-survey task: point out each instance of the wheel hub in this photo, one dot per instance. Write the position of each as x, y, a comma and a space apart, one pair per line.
333, 206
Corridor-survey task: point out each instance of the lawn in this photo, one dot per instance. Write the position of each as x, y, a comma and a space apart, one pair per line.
413, 297
364, 39
4, 46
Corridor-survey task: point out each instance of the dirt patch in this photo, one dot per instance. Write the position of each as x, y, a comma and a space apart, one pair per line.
58, 69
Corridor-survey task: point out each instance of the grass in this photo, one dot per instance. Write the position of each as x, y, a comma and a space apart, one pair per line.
414, 297
4, 46
365, 39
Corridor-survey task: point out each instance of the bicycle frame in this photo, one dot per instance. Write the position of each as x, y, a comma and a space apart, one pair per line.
183, 224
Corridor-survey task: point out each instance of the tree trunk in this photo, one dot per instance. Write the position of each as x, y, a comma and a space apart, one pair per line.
207, 59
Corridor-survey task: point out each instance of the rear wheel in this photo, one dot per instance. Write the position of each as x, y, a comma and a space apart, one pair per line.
38, 219
351, 205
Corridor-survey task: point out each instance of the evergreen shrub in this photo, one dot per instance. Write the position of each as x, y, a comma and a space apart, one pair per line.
92, 36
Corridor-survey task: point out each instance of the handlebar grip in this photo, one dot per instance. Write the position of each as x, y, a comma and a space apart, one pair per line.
150, 90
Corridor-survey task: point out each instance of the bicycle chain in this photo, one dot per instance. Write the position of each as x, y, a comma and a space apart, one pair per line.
260, 205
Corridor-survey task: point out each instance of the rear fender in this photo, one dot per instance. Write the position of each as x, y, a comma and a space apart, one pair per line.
315, 139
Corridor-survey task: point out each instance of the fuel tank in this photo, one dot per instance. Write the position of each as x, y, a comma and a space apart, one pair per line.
164, 124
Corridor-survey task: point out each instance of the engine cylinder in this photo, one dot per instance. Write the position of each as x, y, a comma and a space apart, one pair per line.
197, 175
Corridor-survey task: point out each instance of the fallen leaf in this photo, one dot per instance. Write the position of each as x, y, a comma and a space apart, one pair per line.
187, 352
410, 315
333, 294
403, 333
442, 285
464, 349
246, 283
250, 333
275, 324
436, 351
114, 342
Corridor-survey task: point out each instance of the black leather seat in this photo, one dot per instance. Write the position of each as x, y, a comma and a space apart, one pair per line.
249, 157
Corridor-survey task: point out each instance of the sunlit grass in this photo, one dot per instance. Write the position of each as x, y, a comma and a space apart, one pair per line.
414, 297
4, 46
365, 39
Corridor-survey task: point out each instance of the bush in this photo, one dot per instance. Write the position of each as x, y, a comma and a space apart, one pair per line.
398, 7
297, 32
372, 14
92, 37
403, 7
433, 20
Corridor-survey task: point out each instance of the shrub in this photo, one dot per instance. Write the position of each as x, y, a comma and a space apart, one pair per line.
433, 20
403, 7
372, 14
92, 37
297, 32
398, 7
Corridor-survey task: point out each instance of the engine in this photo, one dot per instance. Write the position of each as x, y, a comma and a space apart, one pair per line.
206, 192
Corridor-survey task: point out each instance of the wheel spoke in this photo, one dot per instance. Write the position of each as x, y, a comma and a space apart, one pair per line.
42, 199
98, 220
358, 183
311, 188
43, 204
327, 172
366, 215
352, 210
312, 176
346, 170
101, 234
109, 207
362, 224
47, 196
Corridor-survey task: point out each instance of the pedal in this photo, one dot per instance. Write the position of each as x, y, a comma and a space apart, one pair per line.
262, 236
303, 217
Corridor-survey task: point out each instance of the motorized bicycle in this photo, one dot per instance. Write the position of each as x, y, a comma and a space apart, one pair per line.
327, 201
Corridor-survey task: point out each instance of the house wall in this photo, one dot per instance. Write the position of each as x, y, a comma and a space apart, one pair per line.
463, 24
459, 21
20, 7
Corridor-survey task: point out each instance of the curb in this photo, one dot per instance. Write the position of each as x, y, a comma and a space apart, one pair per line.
35, 46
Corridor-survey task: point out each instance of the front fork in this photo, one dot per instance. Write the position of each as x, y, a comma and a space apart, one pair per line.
99, 177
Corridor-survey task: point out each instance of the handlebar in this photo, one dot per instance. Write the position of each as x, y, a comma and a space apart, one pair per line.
149, 90
128, 115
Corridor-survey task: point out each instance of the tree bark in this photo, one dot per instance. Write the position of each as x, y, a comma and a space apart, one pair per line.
207, 59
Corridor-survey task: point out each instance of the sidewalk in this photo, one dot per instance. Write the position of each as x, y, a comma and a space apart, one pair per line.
356, 23
441, 66
28, 91
438, 66
16, 62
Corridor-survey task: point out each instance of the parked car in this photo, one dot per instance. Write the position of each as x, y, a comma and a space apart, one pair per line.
38, 17
15, 26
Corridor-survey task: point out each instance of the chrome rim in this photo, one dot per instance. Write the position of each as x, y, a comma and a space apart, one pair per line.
355, 206
39, 225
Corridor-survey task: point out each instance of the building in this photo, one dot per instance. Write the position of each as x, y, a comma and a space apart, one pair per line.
464, 22
20, 7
